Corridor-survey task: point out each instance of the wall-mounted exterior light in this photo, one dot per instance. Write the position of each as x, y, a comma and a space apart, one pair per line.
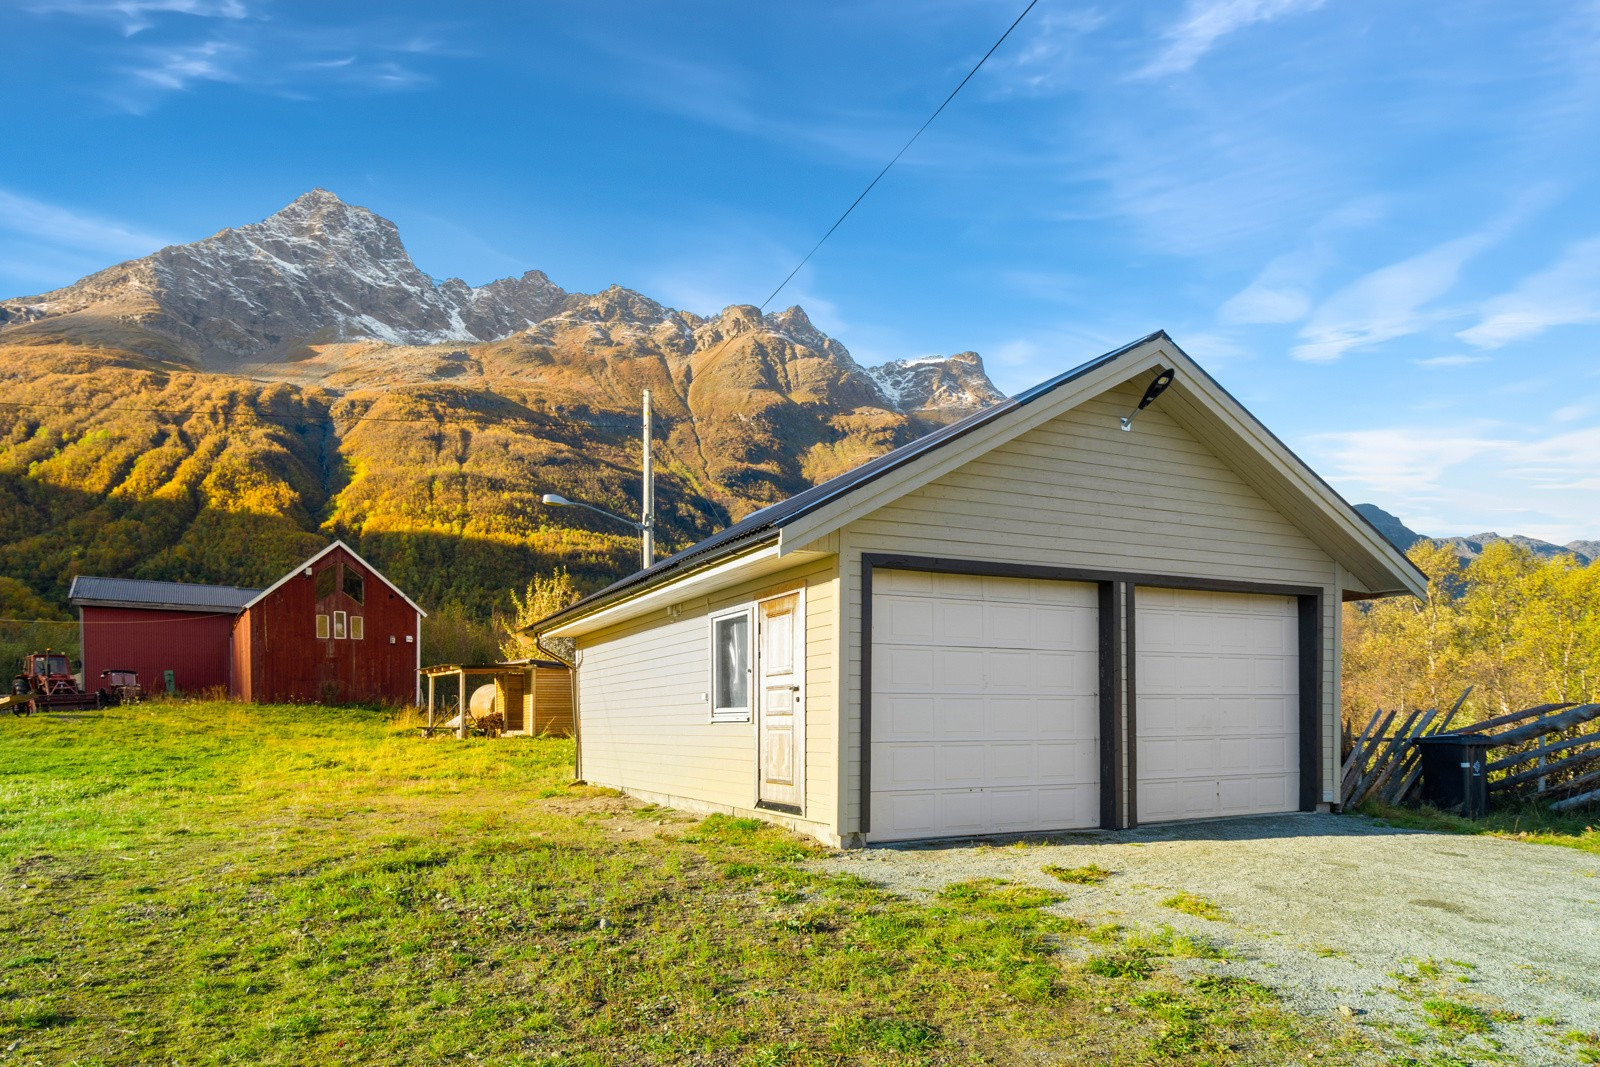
1155, 389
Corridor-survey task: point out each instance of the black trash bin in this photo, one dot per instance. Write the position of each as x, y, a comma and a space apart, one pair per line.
1455, 773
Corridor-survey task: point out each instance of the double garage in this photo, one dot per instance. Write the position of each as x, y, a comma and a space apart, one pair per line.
1043, 617
1002, 703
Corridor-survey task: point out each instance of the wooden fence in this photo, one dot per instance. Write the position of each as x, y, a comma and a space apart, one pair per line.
1541, 754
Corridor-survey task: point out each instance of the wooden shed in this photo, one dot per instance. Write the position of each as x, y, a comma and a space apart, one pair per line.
533, 696
334, 630
1110, 600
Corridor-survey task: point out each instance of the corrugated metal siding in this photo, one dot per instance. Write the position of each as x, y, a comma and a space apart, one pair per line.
193, 645
288, 663
644, 711
1080, 492
173, 595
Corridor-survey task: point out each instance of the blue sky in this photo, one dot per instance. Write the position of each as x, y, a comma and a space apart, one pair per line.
1377, 224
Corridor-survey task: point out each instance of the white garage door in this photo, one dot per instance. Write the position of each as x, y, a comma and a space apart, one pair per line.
985, 716
1218, 704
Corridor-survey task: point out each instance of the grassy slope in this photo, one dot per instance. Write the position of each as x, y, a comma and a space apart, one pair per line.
1526, 822
216, 883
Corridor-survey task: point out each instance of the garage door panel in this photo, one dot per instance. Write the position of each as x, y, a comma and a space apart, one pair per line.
1217, 690
986, 716
903, 669
930, 813
919, 765
956, 717
910, 669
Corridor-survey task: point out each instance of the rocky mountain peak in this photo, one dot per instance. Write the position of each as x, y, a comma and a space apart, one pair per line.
937, 386
322, 270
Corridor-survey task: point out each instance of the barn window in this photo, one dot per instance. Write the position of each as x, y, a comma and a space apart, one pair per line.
325, 580
355, 586
358, 627
730, 666
322, 627
338, 625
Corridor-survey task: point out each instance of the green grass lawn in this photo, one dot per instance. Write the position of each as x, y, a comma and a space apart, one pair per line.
1521, 822
216, 883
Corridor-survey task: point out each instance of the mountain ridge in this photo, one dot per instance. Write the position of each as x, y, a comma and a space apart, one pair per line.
323, 271
1471, 546
213, 411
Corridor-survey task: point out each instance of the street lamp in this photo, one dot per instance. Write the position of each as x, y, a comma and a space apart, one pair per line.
646, 526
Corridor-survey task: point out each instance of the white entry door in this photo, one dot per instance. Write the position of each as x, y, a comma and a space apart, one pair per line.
780, 727
1218, 698
985, 709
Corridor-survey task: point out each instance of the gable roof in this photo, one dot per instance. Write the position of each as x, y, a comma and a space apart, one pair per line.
89, 591
309, 562
766, 525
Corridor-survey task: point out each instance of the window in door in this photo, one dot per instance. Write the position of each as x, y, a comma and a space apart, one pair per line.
338, 625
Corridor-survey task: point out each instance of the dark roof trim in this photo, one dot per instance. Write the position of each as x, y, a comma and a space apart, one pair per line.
765, 523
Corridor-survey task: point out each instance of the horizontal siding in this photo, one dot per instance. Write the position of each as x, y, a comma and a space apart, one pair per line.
644, 711
1080, 492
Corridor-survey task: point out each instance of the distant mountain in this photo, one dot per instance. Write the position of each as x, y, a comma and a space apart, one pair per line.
1469, 548
322, 271
209, 411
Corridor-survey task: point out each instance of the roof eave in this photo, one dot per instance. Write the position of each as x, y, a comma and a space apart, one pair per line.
733, 553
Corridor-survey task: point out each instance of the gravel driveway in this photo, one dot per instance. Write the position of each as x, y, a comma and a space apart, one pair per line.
1339, 913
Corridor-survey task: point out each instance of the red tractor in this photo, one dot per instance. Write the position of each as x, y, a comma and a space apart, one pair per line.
46, 684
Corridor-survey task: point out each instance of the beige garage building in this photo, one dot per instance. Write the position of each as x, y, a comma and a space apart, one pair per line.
1030, 620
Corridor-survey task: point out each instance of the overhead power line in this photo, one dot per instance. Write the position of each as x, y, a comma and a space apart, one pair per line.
936, 112
311, 416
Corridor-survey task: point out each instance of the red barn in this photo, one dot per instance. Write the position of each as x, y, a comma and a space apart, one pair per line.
333, 630
156, 627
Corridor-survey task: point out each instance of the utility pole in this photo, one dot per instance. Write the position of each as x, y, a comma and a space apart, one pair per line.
647, 493
646, 526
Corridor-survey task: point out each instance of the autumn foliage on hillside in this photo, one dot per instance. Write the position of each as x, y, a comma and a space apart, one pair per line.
121, 458
1521, 631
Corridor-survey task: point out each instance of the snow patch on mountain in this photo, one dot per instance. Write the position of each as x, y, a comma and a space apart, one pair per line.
322, 271
936, 383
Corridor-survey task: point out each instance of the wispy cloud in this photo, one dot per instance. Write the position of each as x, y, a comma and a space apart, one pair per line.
1566, 293
1479, 475
136, 15
63, 227
241, 45
179, 67
1387, 303
1047, 59
1393, 301
1282, 292
1456, 360
1401, 462
1205, 22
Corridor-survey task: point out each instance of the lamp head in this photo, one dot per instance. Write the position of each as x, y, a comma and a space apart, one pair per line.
556, 500
1153, 390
